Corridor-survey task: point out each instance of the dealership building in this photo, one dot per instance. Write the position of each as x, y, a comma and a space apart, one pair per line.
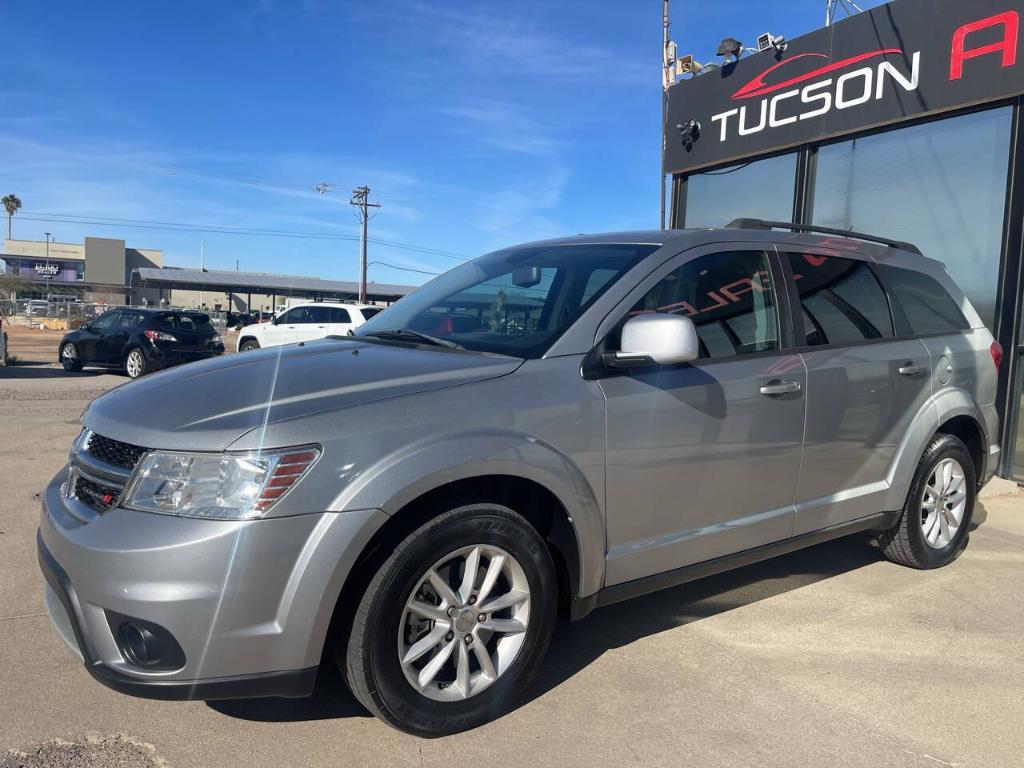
105, 270
905, 121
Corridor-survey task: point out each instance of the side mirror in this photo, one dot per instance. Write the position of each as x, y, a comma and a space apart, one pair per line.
656, 339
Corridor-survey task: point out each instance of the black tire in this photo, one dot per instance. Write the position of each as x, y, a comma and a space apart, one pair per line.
249, 345
133, 371
905, 543
370, 663
74, 364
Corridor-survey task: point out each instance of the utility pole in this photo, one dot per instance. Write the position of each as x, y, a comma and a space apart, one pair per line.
361, 202
666, 81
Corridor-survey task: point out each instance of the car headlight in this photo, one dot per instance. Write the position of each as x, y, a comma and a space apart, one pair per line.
219, 486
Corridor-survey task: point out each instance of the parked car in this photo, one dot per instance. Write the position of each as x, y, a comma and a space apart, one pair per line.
37, 308
138, 341
304, 322
539, 432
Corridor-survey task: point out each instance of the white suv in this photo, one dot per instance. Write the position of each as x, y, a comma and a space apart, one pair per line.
305, 322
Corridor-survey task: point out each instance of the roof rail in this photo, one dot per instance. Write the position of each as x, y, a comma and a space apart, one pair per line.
761, 224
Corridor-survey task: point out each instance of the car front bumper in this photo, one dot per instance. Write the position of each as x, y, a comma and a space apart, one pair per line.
248, 604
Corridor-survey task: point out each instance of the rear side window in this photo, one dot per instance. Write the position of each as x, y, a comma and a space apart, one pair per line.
369, 312
190, 323
339, 315
927, 306
730, 298
842, 301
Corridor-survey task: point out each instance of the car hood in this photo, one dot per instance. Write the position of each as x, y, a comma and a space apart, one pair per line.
208, 405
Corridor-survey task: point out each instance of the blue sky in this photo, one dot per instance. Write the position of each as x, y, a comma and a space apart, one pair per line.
477, 125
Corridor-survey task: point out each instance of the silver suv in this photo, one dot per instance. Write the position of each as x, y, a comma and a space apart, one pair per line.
539, 432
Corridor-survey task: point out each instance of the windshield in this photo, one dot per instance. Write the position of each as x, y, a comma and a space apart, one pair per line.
512, 302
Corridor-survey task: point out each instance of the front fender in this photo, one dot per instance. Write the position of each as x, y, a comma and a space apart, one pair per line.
939, 409
395, 480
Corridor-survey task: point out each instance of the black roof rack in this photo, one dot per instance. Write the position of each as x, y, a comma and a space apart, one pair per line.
761, 224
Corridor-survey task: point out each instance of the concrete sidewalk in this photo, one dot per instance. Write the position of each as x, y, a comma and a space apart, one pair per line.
829, 656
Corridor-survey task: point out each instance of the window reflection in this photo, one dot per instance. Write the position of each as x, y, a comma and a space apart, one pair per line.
940, 185
761, 190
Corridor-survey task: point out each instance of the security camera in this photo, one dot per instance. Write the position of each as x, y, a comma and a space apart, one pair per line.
689, 132
768, 41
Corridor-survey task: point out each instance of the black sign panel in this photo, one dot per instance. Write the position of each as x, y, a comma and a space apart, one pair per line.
896, 62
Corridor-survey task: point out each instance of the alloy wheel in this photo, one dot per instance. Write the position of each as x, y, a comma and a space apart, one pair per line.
134, 364
944, 503
68, 353
464, 623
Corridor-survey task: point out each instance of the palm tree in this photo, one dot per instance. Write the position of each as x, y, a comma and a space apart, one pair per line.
12, 204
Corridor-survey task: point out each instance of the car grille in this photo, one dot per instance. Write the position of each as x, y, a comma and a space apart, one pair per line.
114, 452
99, 496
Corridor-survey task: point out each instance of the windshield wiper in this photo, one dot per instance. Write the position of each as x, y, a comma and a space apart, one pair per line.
409, 334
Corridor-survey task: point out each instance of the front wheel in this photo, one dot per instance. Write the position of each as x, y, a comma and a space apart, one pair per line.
455, 623
135, 363
933, 528
249, 345
69, 358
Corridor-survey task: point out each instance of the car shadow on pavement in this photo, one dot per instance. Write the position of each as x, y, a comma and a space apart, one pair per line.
43, 371
577, 645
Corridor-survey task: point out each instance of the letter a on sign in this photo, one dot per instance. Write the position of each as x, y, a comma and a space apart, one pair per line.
1010, 22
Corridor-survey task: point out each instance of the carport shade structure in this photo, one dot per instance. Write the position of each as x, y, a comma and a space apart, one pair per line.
267, 284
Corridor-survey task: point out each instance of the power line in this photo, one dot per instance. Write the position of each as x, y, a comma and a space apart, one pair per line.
102, 221
403, 269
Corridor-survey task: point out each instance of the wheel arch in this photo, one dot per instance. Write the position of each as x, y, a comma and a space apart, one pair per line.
952, 411
540, 506
247, 337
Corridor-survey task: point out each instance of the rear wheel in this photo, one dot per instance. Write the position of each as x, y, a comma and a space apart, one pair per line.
455, 623
69, 357
249, 345
135, 363
933, 529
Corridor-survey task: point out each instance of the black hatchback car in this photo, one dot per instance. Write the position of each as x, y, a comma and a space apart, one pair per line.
138, 341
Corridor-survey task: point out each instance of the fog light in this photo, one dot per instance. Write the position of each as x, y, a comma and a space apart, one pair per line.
139, 645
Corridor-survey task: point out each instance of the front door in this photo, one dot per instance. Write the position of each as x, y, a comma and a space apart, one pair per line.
315, 323
865, 388
703, 458
93, 347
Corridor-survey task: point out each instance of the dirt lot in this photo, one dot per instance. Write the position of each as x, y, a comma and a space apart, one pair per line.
825, 657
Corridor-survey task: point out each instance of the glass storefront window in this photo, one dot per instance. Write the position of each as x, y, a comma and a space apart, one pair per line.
940, 185
758, 190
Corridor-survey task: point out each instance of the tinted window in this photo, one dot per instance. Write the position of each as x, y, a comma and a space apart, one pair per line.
842, 300
927, 306
339, 315
730, 298
130, 320
106, 320
193, 323
515, 302
318, 315
292, 316
369, 312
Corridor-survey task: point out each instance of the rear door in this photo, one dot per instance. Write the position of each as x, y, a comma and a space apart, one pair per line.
342, 321
115, 342
865, 385
703, 458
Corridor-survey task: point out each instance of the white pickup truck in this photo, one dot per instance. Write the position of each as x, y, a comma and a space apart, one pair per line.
305, 322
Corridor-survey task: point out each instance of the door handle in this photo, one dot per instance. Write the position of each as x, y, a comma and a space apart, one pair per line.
775, 388
911, 370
